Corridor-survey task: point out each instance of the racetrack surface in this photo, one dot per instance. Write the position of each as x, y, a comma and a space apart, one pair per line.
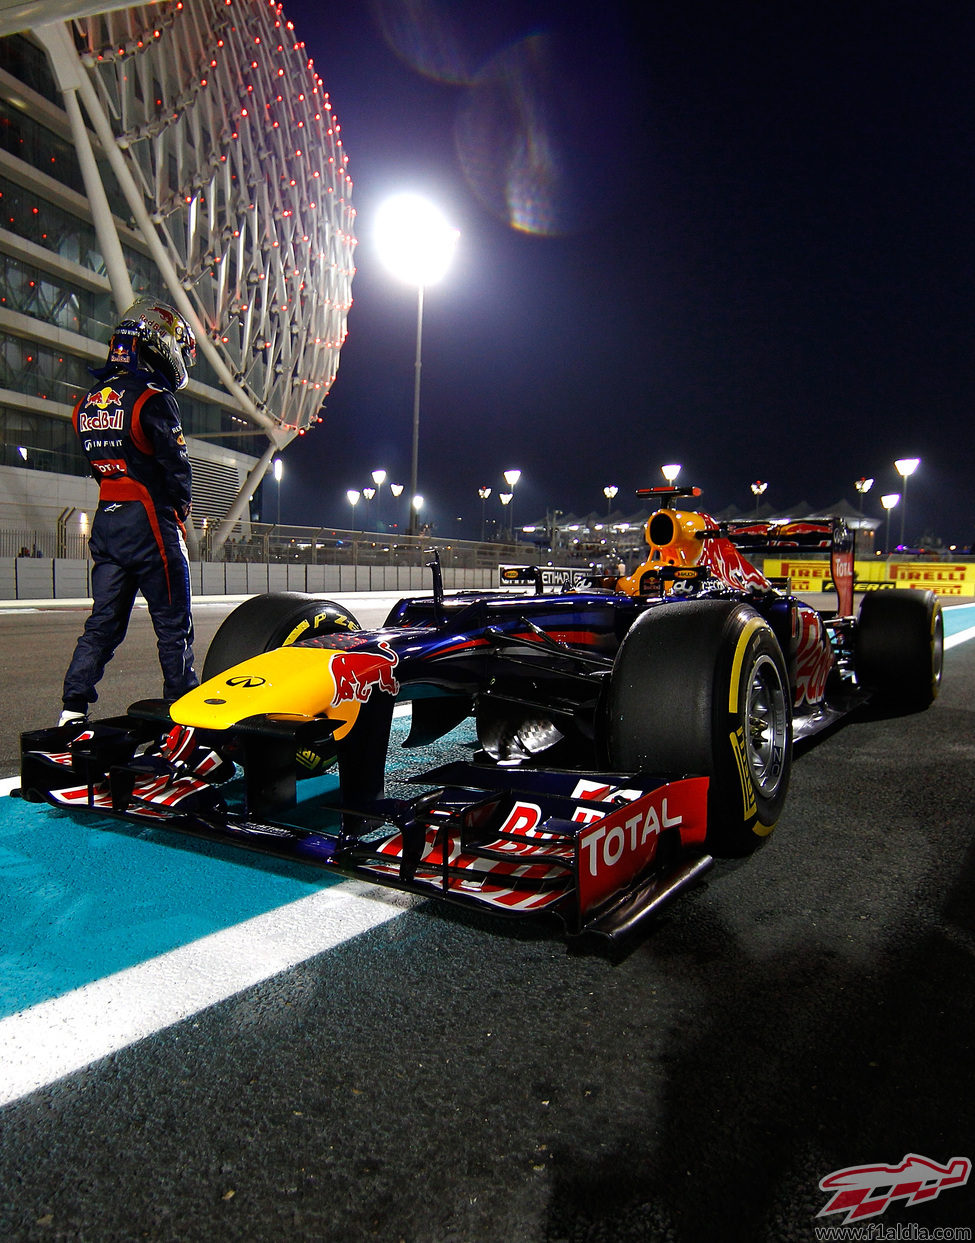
442, 1076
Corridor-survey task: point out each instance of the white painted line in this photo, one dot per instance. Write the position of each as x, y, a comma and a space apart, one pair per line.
58, 1037
962, 636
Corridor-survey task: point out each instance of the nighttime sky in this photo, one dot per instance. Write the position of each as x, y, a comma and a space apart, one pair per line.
737, 235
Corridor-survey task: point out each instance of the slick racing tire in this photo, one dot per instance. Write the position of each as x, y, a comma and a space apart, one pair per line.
700, 688
899, 647
277, 619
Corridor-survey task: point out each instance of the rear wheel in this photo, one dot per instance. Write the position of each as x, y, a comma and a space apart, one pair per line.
701, 688
277, 619
899, 648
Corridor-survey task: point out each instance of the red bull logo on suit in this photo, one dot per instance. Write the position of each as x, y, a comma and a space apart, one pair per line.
107, 413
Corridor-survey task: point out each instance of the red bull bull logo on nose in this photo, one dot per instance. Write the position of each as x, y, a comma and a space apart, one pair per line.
355, 674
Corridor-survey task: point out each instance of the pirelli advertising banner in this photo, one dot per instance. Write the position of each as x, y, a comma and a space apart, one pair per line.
945, 578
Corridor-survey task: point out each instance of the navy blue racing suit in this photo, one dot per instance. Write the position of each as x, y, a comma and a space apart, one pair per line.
130, 432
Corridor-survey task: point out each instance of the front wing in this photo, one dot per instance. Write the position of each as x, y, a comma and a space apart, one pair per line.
603, 851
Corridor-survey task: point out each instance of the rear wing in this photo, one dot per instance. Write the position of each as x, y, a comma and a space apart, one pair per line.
832, 534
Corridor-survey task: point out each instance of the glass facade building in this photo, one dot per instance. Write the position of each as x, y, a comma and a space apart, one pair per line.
189, 153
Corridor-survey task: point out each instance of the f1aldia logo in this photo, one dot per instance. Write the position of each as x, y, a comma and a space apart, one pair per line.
866, 1190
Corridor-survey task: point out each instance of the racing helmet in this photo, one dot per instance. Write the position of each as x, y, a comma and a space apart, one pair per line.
157, 335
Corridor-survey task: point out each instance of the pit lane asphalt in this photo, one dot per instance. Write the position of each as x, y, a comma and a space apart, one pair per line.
446, 1077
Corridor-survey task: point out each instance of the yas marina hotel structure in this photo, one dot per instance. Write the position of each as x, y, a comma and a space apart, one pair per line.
185, 150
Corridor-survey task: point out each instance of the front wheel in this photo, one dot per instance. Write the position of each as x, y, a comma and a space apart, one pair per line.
700, 687
276, 619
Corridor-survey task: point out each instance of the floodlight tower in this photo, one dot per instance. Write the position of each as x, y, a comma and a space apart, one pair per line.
863, 486
379, 478
511, 478
905, 467
483, 492
278, 472
889, 501
416, 244
505, 498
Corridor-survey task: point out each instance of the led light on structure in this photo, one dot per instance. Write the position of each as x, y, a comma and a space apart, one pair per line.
235, 201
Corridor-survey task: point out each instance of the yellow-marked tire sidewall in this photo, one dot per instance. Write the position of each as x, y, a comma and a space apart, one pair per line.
741, 814
276, 619
675, 706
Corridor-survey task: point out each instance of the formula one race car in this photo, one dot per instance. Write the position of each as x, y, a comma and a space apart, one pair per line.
628, 731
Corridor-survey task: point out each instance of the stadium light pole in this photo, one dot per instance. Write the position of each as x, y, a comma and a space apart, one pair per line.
353, 494
416, 244
379, 478
889, 501
483, 492
905, 467
278, 472
863, 486
511, 478
397, 490
609, 492
670, 472
505, 499
758, 490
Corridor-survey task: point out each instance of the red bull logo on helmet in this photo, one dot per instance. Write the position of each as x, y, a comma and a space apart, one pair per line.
122, 349
356, 674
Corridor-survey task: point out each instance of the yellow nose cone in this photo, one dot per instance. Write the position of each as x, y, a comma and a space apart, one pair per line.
290, 681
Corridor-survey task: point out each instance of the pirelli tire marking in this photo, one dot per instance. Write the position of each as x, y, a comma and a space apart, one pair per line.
759, 756
311, 625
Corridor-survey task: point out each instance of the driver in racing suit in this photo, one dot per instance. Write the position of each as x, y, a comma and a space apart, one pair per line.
129, 429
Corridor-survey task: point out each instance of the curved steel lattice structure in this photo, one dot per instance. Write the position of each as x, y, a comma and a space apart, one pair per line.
229, 135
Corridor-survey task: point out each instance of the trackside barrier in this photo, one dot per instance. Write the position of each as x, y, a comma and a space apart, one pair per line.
57, 578
945, 578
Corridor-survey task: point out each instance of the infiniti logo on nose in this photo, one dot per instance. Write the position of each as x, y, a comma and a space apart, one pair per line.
245, 679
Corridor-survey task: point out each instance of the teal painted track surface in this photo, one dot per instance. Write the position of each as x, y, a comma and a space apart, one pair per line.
80, 903
959, 618
83, 897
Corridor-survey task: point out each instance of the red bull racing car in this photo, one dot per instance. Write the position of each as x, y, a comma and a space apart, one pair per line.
628, 731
